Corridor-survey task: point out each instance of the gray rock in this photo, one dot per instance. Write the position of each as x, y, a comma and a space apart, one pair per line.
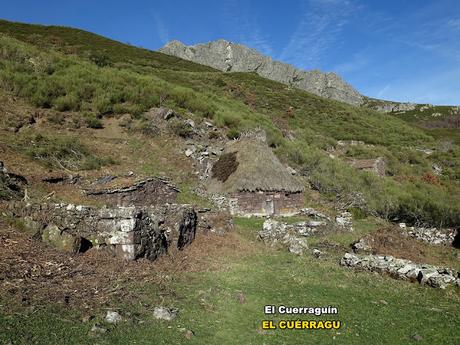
163, 113
190, 122
297, 245
98, 329
163, 313
345, 220
363, 245
105, 179
389, 107
113, 317
230, 57
189, 152
317, 253
291, 236
316, 223
315, 214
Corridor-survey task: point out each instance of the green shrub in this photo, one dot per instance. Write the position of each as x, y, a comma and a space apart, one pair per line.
180, 128
233, 134
56, 118
67, 102
62, 152
93, 122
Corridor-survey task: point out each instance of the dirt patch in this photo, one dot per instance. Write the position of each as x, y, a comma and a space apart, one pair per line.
32, 273
225, 166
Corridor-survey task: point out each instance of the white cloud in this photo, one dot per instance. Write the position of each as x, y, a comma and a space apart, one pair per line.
383, 91
442, 89
161, 29
454, 23
244, 26
357, 63
322, 21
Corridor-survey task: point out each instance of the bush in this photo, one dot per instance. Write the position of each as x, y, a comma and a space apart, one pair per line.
60, 152
93, 122
233, 134
180, 128
67, 102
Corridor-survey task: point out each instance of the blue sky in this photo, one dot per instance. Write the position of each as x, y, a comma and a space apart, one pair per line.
404, 50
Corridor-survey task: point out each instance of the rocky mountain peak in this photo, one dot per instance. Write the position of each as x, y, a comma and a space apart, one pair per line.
233, 57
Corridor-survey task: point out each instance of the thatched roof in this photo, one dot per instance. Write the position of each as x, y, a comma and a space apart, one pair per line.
258, 169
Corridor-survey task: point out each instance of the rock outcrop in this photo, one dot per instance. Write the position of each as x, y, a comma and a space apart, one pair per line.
231, 57
433, 276
130, 232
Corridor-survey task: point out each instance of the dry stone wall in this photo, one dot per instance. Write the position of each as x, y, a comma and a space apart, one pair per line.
130, 232
439, 277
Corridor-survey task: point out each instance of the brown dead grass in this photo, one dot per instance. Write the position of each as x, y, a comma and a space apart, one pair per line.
32, 273
390, 241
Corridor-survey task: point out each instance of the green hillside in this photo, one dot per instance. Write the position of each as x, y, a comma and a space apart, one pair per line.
47, 75
76, 103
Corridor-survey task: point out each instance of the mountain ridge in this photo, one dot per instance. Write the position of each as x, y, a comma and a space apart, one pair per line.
233, 57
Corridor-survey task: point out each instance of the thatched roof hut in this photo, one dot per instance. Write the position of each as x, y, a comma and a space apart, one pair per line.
249, 165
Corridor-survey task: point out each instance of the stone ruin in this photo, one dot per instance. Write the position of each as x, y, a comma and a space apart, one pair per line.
129, 232
152, 191
431, 236
293, 236
439, 277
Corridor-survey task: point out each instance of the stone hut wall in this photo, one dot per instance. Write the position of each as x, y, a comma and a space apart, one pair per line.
130, 232
267, 203
153, 191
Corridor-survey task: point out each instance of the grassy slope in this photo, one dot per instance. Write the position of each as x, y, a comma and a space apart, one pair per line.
238, 101
86, 44
373, 309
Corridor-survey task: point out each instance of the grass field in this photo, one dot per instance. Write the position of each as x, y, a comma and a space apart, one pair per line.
372, 309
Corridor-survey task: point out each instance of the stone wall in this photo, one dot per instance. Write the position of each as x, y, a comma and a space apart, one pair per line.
153, 191
266, 203
439, 277
130, 232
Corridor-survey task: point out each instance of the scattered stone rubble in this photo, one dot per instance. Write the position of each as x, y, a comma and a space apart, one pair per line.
204, 157
432, 236
345, 221
438, 277
293, 236
130, 232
